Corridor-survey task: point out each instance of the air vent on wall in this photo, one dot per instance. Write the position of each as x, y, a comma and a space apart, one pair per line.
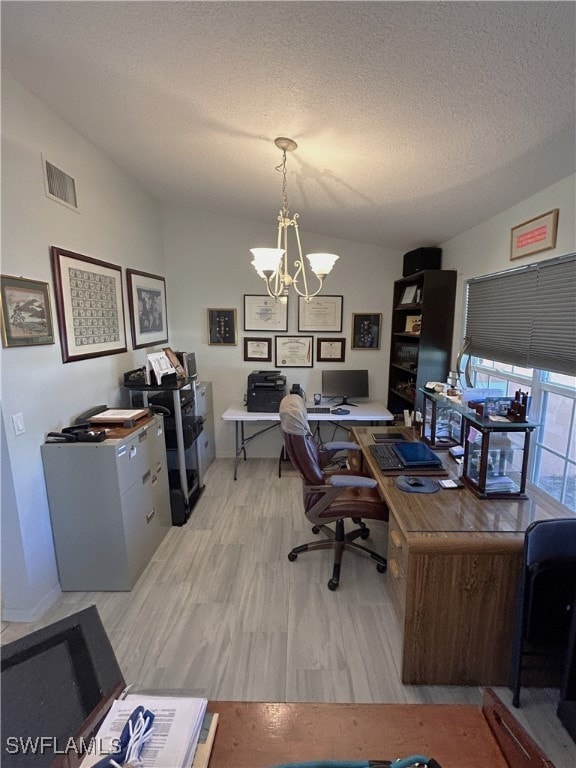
59, 185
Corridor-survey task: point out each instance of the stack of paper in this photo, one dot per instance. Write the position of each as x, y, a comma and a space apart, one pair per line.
177, 724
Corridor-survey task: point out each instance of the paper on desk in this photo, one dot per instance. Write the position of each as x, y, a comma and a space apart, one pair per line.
177, 724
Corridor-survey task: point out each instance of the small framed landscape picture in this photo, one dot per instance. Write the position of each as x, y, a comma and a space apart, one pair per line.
26, 313
366, 331
222, 326
258, 349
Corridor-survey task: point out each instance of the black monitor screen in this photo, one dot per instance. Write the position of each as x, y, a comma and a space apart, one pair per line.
54, 682
345, 384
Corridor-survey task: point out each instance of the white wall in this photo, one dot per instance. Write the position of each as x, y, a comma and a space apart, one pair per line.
208, 265
119, 223
486, 248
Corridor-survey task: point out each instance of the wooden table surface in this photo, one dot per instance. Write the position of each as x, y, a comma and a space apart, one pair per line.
261, 735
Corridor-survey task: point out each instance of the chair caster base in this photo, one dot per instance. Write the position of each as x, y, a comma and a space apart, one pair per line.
333, 584
292, 556
381, 568
365, 533
315, 529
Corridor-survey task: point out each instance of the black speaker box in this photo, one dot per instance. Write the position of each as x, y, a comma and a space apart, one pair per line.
422, 258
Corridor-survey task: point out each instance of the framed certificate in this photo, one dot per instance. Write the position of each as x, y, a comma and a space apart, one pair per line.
293, 351
330, 350
263, 313
258, 349
321, 313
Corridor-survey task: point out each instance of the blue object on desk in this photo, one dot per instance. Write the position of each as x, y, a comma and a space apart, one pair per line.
414, 761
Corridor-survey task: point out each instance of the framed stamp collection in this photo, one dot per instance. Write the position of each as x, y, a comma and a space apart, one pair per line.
89, 305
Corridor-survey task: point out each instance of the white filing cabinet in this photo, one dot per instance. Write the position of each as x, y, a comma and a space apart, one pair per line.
109, 506
207, 438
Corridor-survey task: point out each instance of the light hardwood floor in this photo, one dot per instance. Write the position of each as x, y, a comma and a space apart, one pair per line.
221, 612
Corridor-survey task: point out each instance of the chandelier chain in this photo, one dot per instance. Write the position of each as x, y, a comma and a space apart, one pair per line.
282, 169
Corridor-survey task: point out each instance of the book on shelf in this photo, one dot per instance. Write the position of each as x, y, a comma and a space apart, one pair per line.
176, 730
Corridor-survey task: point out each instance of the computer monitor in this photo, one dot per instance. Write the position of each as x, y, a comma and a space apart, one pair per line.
345, 384
57, 685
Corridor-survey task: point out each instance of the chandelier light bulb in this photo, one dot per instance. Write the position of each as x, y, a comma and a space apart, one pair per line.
321, 263
266, 259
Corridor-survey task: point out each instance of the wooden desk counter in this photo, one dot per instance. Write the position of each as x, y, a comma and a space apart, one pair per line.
454, 562
260, 735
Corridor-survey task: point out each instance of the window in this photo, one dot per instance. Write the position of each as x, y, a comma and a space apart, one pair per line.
552, 461
520, 335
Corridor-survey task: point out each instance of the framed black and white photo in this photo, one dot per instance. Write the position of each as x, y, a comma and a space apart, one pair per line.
366, 331
89, 305
330, 350
222, 326
294, 352
264, 313
321, 313
258, 349
26, 313
147, 305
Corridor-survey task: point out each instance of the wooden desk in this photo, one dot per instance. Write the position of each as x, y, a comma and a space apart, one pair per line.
454, 563
260, 735
367, 411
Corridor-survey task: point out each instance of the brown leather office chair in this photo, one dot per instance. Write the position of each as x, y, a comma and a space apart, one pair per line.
330, 497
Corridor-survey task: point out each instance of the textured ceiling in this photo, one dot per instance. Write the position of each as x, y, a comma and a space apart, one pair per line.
415, 120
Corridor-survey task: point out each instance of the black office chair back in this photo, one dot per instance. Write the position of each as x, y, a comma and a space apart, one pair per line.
546, 595
546, 539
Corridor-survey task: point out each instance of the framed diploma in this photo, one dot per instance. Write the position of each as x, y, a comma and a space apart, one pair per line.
330, 350
263, 313
293, 351
321, 313
258, 349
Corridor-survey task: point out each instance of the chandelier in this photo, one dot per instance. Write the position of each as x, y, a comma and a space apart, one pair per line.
272, 263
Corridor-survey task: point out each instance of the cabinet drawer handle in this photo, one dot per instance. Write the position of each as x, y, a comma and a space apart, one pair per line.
143, 435
396, 540
149, 516
394, 569
145, 477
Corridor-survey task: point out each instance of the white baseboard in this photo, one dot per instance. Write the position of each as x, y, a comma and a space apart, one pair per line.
35, 613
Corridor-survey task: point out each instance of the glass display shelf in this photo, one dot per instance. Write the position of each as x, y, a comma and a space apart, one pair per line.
495, 456
442, 425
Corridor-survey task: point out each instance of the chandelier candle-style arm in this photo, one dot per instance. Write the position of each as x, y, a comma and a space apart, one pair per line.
271, 264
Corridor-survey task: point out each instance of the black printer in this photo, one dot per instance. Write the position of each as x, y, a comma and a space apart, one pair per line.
265, 391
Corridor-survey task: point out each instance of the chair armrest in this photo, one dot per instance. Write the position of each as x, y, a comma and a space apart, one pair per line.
352, 481
341, 445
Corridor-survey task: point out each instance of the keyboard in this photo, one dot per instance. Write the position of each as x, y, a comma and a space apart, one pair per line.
318, 409
386, 457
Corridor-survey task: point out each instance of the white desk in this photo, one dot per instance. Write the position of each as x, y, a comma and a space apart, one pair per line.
368, 411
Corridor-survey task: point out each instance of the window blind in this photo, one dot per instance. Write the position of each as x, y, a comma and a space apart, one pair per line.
526, 317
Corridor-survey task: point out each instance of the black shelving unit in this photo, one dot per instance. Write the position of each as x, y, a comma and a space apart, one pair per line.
182, 428
422, 329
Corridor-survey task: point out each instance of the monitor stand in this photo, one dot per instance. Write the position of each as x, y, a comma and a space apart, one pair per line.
345, 402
